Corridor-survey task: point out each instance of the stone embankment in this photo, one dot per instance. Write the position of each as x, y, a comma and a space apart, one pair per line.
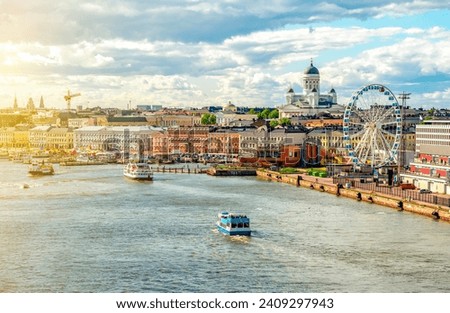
326, 185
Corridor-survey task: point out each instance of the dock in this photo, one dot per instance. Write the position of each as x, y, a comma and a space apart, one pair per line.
179, 170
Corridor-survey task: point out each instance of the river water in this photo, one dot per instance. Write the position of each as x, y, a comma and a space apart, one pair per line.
88, 229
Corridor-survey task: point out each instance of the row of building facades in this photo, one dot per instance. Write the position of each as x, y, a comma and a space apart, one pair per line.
428, 166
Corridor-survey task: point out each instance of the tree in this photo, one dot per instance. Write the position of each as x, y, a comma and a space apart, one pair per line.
208, 119
252, 111
285, 121
274, 123
264, 114
274, 113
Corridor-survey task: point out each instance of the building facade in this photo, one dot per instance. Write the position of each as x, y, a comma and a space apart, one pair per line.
130, 140
430, 169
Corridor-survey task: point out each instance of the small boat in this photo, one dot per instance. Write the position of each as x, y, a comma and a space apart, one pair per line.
138, 171
40, 169
233, 224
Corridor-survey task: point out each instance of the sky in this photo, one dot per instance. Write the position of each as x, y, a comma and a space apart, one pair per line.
196, 53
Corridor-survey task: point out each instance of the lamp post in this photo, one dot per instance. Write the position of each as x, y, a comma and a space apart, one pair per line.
403, 96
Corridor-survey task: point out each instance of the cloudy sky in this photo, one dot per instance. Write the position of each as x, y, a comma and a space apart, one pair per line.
194, 53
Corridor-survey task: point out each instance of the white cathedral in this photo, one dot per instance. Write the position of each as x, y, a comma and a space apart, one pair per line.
311, 101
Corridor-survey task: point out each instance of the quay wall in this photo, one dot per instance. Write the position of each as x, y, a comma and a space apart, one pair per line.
326, 185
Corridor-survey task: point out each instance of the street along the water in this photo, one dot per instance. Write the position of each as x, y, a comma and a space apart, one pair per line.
88, 229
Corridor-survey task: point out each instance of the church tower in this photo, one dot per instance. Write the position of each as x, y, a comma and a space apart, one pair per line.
15, 105
41, 103
311, 79
290, 96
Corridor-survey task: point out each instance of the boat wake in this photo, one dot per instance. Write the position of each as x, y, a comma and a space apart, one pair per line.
240, 239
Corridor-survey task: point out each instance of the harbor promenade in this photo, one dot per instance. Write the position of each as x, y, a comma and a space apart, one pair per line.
321, 184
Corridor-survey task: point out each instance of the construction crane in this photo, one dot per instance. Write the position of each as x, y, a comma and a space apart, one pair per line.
69, 97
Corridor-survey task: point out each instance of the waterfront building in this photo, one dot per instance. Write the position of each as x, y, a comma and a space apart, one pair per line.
187, 140
430, 168
47, 137
21, 138
160, 145
39, 137
59, 139
224, 141
130, 140
331, 142
264, 143
330, 139
7, 137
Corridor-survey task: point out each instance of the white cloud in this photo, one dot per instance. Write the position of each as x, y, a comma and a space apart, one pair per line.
215, 51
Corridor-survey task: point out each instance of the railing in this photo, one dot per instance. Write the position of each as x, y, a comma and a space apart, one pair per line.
395, 191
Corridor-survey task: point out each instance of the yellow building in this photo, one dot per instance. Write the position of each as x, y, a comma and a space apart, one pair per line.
13, 137
21, 138
6, 137
39, 136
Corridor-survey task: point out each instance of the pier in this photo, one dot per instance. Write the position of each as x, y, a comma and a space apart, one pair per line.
231, 171
179, 170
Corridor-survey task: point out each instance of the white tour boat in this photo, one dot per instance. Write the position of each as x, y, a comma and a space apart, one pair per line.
138, 171
233, 224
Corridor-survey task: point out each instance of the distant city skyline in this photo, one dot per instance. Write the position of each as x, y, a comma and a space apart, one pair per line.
197, 53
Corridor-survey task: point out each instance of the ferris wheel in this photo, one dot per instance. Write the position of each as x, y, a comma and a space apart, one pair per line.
372, 127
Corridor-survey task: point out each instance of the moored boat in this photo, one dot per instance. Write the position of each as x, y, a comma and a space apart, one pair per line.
233, 224
40, 169
138, 171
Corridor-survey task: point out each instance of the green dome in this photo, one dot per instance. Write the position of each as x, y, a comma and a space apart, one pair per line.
311, 69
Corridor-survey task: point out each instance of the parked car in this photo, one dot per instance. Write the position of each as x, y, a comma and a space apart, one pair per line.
424, 191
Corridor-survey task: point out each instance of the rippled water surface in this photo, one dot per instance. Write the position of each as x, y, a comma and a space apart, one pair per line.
88, 229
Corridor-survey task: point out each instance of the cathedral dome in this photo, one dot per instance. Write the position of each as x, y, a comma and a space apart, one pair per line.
311, 69
229, 107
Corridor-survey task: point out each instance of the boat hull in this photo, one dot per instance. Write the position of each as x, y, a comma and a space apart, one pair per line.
234, 232
138, 177
39, 173
40, 169
138, 171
